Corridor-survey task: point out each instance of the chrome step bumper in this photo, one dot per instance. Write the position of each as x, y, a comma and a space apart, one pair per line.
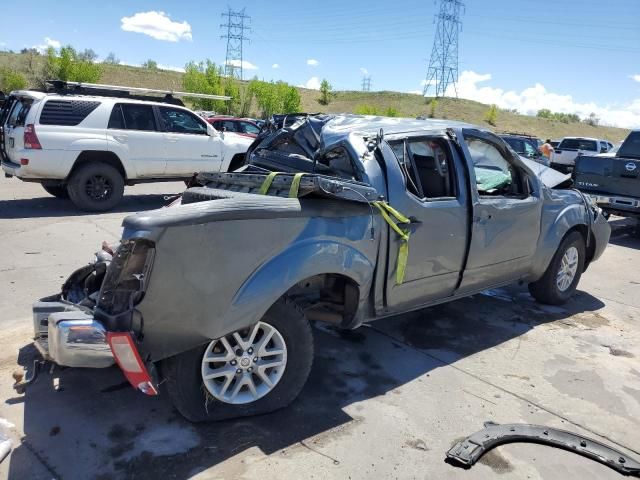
69, 336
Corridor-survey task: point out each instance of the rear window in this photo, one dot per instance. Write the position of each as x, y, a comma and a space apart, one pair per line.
19, 112
66, 112
578, 144
631, 146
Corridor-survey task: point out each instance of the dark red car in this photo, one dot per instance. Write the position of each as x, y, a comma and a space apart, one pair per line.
241, 126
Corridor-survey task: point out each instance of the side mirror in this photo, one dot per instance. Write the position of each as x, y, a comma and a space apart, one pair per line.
212, 132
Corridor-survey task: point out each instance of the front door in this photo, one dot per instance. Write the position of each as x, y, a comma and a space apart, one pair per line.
433, 195
188, 147
506, 214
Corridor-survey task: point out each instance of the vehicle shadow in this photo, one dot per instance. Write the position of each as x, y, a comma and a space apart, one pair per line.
625, 232
112, 431
44, 207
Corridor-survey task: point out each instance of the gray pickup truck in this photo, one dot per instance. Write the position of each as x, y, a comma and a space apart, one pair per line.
613, 180
337, 219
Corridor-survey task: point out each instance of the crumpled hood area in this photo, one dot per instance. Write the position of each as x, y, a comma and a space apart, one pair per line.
550, 177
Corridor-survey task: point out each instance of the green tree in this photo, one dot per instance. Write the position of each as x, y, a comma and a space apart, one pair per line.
11, 80
66, 65
274, 97
206, 77
87, 55
491, 117
325, 92
111, 59
391, 112
150, 65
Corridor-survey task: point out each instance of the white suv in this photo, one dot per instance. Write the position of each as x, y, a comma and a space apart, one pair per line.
564, 155
87, 147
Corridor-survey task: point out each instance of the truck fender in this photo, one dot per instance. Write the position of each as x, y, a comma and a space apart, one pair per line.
274, 278
553, 230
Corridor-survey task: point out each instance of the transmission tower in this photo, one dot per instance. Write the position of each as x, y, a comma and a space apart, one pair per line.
366, 83
236, 28
443, 64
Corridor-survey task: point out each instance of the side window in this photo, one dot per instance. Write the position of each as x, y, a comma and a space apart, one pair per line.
529, 150
66, 112
247, 127
116, 120
229, 126
138, 117
180, 121
494, 173
427, 166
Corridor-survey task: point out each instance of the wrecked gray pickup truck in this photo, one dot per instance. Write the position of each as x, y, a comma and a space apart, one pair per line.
338, 219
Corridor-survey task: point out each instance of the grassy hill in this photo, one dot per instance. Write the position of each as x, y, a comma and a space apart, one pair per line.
408, 105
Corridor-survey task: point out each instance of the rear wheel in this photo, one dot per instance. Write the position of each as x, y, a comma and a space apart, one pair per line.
249, 372
58, 191
96, 187
561, 278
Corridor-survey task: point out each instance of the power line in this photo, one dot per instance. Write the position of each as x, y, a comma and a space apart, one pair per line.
235, 37
443, 64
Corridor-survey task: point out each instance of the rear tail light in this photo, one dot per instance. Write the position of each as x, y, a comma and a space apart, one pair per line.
126, 354
24, 161
30, 138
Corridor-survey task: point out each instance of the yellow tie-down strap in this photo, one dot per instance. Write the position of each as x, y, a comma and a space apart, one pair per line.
293, 190
387, 211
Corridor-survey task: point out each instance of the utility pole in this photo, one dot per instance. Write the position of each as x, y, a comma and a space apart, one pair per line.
366, 83
235, 37
443, 64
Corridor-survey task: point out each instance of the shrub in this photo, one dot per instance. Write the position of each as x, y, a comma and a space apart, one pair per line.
11, 80
432, 107
67, 65
325, 92
491, 117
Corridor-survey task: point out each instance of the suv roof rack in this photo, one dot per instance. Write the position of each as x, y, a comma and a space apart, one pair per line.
62, 87
520, 134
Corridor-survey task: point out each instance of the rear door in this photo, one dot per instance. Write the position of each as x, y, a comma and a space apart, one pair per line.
14, 128
506, 214
427, 184
188, 146
133, 135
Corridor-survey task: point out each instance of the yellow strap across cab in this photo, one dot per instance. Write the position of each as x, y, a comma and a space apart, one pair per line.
387, 211
264, 188
295, 185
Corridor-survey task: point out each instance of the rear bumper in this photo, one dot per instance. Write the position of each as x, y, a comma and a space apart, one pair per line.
618, 205
69, 336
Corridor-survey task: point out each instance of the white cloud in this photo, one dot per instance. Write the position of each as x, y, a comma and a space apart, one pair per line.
275, 65
536, 97
636, 77
364, 71
312, 62
312, 84
157, 25
48, 42
245, 65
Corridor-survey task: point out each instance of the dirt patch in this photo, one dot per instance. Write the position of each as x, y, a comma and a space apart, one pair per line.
618, 352
519, 377
496, 461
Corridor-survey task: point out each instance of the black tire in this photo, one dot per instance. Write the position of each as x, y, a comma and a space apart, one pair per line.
96, 187
58, 191
184, 385
546, 290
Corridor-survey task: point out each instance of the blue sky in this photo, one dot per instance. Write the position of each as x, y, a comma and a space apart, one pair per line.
567, 55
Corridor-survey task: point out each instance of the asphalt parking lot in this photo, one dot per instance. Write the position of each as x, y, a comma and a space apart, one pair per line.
385, 401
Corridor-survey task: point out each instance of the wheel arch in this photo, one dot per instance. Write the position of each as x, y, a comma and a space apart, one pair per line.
89, 156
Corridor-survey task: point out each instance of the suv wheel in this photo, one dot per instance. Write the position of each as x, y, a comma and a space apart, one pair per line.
249, 372
561, 279
58, 191
96, 187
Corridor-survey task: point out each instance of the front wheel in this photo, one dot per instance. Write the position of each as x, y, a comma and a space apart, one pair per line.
252, 371
561, 278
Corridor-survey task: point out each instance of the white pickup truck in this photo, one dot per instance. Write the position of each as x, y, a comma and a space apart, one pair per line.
564, 156
86, 142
